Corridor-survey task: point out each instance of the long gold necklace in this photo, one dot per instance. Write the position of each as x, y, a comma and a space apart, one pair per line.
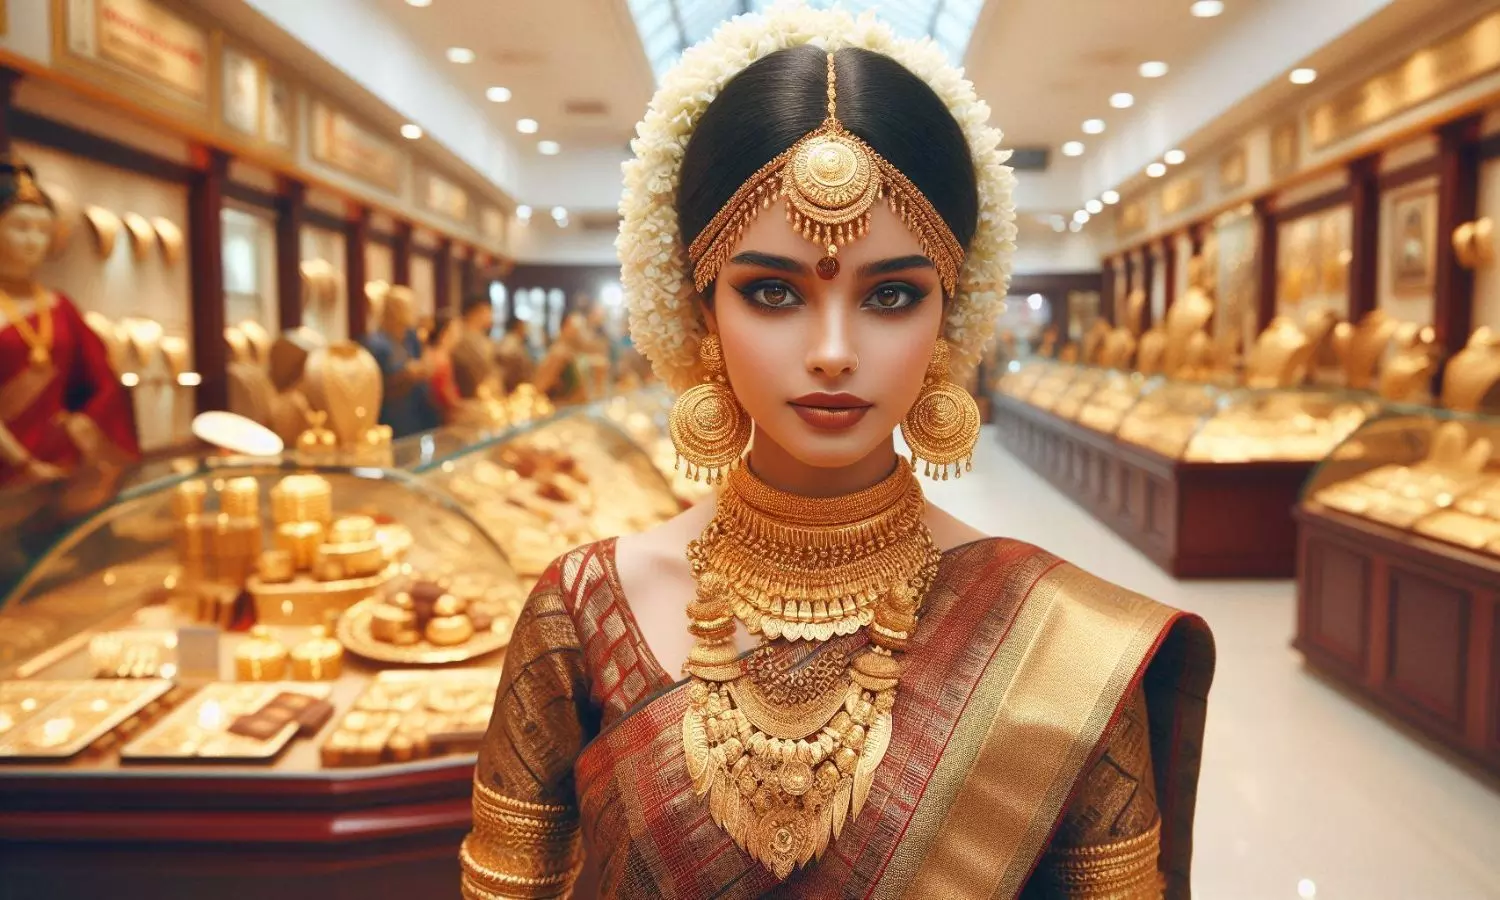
786, 757
39, 339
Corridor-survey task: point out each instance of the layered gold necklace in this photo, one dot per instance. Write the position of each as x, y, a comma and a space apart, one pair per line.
787, 755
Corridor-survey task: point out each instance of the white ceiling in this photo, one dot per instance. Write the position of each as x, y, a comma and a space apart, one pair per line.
575, 66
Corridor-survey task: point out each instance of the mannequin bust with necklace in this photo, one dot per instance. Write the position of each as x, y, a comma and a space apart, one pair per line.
60, 404
840, 638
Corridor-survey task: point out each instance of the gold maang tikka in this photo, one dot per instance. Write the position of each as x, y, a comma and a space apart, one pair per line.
829, 179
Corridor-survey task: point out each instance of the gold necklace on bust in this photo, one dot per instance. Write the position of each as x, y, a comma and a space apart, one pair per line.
787, 756
39, 339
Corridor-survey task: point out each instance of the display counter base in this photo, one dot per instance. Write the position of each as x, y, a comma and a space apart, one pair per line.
214, 835
1193, 519
1408, 622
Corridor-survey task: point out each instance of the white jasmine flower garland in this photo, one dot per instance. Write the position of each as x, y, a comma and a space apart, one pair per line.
665, 320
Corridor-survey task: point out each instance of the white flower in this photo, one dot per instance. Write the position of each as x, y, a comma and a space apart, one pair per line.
665, 320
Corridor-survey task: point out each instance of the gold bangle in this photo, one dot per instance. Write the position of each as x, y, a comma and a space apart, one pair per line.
1122, 870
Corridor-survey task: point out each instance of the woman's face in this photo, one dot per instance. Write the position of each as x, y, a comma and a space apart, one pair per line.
827, 369
26, 231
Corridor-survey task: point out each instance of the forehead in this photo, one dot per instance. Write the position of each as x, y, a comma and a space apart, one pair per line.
28, 211
771, 233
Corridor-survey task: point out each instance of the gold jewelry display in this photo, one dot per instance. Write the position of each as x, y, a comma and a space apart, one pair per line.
142, 235
39, 338
1471, 382
787, 757
171, 239
260, 657
319, 658
344, 381
106, 228
942, 427
709, 428
829, 179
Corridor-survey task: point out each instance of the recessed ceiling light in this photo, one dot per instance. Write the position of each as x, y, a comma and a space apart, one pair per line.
1082, 217
411, 132
559, 213
1156, 169
1072, 148
1059, 225
1094, 207
527, 126
548, 148
419, 4
523, 212
1207, 9
461, 55
1075, 227
1174, 157
497, 95
1154, 69
1110, 198
562, 223
1093, 126
1303, 76
1122, 100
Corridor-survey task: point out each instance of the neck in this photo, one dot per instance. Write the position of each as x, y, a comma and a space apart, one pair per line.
779, 469
17, 285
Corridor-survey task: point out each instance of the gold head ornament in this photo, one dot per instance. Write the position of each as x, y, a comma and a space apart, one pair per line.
830, 180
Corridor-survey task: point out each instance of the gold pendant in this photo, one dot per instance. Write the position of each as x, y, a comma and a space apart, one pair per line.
783, 800
40, 357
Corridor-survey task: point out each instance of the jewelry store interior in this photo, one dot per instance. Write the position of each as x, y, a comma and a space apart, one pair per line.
256, 591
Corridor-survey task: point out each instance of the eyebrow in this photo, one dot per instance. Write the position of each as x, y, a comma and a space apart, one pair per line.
771, 261
895, 264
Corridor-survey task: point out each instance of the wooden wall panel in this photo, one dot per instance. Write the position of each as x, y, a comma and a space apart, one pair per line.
1338, 607
1429, 628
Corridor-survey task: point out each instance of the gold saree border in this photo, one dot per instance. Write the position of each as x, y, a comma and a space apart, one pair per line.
1001, 786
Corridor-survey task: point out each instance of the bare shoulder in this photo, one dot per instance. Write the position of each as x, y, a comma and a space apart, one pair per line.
649, 561
948, 531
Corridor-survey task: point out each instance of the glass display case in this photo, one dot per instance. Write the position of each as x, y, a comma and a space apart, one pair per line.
253, 613
1107, 406
545, 488
1207, 423
1021, 376
1426, 471
1052, 385
1082, 389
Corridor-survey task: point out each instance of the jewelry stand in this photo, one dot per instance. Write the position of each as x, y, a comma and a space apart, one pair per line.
1279, 358
1472, 380
1360, 348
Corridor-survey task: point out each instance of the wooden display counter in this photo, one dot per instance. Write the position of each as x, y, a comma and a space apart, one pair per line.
1409, 622
245, 834
1194, 519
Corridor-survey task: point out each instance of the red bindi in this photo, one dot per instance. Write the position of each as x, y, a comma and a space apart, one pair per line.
828, 268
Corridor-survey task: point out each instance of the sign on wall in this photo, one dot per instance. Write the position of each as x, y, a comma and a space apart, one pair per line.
341, 143
144, 39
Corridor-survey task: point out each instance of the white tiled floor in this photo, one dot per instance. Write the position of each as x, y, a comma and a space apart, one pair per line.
1300, 782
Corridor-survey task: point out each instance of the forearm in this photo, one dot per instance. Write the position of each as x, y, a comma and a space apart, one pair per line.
519, 849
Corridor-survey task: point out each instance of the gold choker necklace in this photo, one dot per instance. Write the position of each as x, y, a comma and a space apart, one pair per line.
787, 756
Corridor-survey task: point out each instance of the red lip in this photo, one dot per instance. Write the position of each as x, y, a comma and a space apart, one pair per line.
831, 412
832, 401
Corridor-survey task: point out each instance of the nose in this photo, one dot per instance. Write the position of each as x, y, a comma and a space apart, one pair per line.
832, 353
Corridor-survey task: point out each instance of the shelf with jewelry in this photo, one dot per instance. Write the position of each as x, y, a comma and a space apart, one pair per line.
1398, 564
250, 653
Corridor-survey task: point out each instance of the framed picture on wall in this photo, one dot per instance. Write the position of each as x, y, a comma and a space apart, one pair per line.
1412, 241
279, 112
242, 92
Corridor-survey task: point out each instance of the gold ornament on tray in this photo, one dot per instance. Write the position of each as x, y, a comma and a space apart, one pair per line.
425, 625
787, 758
942, 427
709, 428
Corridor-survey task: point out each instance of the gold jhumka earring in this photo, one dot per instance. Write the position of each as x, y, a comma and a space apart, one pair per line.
709, 428
942, 427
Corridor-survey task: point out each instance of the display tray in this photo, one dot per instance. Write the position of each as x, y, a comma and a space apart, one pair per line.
1410, 622
1193, 519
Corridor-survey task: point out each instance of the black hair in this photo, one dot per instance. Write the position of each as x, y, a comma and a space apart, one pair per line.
776, 100
13, 171
471, 303
435, 336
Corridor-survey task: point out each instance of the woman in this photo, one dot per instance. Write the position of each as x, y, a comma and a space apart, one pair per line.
442, 338
61, 407
407, 405
878, 700
559, 374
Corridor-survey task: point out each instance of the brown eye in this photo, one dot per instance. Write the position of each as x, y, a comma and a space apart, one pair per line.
771, 295
891, 297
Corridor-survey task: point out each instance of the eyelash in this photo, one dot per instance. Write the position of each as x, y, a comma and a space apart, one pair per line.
912, 294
